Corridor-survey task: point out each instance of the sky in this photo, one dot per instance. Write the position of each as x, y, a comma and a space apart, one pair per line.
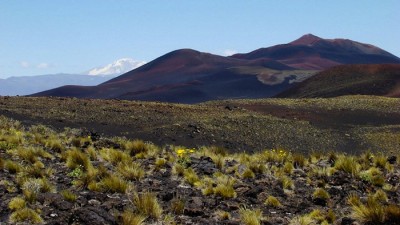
72, 36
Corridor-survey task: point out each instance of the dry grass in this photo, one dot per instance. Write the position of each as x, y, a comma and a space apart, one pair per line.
147, 204
26, 215
131, 171
68, 195
130, 218
273, 202
113, 184
250, 217
76, 158
348, 164
17, 203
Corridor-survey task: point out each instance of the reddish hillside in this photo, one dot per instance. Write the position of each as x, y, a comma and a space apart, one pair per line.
379, 79
185, 76
312, 52
189, 76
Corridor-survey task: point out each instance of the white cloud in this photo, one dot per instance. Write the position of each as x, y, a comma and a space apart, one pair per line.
24, 64
229, 52
43, 66
118, 67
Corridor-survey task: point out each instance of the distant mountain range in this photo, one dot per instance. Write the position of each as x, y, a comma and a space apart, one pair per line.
189, 76
26, 85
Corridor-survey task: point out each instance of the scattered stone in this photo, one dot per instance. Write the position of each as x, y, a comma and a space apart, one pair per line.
94, 202
203, 165
94, 216
392, 159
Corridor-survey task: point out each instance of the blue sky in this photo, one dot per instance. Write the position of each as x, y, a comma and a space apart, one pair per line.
71, 36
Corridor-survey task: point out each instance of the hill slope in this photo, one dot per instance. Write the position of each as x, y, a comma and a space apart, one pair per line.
189, 76
382, 79
312, 52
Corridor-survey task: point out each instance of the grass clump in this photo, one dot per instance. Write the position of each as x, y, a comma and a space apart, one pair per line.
374, 210
17, 203
131, 171
347, 164
77, 158
273, 202
160, 163
287, 182
115, 156
248, 173
135, 147
130, 218
223, 215
113, 184
191, 177
288, 168
250, 217
374, 176
147, 204
25, 215
68, 195
320, 193
224, 187
31, 187
177, 206
380, 161
302, 220
299, 160
178, 169
12, 167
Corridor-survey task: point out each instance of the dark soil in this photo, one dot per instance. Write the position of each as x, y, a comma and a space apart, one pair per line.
236, 125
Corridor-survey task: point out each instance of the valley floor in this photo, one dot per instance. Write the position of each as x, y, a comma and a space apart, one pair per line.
274, 161
77, 177
346, 124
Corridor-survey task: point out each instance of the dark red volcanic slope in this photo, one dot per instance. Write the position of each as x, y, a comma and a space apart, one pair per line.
312, 52
189, 76
185, 76
373, 79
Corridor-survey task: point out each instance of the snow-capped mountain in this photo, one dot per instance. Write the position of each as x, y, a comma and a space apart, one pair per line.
118, 67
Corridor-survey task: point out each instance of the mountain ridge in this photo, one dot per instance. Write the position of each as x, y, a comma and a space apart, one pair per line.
191, 76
